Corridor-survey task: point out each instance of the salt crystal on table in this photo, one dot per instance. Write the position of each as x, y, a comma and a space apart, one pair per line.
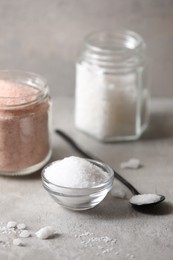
21, 226
118, 194
17, 242
25, 233
45, 232
11, 224
131, 164
119, 191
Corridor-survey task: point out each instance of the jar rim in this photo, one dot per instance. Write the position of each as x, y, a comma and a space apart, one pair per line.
113, 51
131, 39
25, 78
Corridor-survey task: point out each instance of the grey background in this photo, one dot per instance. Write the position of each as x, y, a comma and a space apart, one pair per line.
45, 36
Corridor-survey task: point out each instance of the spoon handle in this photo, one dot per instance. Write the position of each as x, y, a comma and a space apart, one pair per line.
90, 156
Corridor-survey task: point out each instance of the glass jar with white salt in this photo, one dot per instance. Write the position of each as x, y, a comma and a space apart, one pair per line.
24, 122
111, 96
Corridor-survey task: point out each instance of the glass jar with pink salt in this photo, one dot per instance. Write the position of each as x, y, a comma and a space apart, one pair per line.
24, 122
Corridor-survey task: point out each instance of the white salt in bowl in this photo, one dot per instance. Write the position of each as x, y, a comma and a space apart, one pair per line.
79, 198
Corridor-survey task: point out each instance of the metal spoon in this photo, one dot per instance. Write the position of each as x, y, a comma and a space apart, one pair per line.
137, 199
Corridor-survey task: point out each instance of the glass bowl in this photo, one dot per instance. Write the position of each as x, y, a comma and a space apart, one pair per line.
80, 198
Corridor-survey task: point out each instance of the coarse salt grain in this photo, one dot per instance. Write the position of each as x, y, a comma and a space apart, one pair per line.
45, 232
133, 163
11, 233
104, 244
17, 242
75, 172
119, 191
25, 233
118, 194
144, 199
21, 226
11, 224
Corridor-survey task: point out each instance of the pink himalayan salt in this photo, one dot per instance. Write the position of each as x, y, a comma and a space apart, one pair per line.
15, 93
23, 129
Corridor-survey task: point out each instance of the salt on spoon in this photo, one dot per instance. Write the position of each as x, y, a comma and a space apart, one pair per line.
142, 199
135, 192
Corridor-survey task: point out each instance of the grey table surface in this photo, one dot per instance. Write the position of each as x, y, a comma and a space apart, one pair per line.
92, 234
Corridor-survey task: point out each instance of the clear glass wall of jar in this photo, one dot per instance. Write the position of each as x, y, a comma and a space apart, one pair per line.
111, 96
24, 122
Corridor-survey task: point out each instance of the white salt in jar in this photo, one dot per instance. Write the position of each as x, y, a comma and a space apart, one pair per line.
111, 97
24, 122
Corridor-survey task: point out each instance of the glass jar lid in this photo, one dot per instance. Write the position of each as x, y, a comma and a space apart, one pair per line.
112, 51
